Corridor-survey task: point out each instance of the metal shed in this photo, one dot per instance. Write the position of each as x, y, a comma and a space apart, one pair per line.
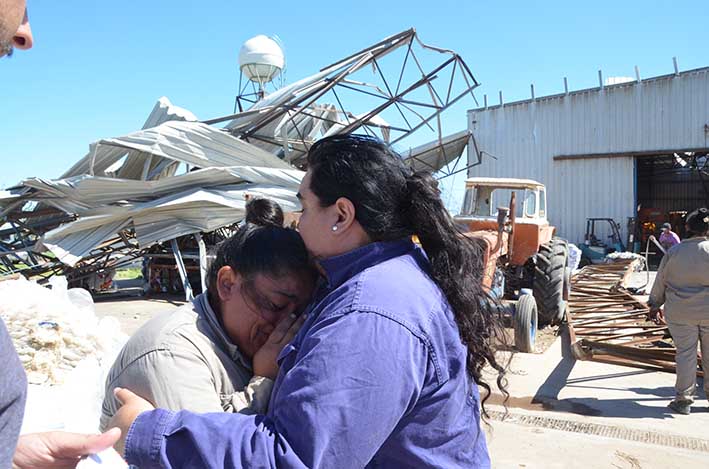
586, 146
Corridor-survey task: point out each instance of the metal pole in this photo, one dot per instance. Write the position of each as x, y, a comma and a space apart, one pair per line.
202, 260
181, 268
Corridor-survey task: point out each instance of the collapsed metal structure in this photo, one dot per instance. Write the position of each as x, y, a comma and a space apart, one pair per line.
179, 178
609, 325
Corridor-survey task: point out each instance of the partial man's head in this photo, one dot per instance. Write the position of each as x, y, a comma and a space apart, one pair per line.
15, 32
697, 222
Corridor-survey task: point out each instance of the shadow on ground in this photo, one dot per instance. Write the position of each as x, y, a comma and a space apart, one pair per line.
642, 404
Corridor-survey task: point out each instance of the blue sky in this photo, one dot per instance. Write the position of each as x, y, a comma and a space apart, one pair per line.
98, 67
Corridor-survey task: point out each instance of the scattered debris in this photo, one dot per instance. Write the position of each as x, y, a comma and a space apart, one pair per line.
607, 324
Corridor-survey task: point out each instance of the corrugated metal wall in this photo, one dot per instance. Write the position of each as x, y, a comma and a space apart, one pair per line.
662, 113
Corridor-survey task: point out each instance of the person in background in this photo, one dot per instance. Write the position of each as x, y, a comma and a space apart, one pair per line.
218, 352
668, 238
682, 286
385, 371
263, 212
13, 393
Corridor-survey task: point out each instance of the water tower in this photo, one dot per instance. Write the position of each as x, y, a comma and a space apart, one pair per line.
261, 60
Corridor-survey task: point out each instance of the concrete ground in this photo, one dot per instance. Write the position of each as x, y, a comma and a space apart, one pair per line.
568, 413
514, 446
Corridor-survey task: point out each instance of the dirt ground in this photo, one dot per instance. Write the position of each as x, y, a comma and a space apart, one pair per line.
130, 307
545, 338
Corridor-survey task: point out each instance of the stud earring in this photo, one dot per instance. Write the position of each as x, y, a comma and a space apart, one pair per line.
334, 227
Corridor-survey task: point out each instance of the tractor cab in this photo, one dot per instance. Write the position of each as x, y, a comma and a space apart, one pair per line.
527, 213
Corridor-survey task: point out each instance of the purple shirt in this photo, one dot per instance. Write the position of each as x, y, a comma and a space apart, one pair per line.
375, 378
668, 239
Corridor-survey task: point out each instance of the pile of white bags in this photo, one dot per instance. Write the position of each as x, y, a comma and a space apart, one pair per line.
65, 350
53, 330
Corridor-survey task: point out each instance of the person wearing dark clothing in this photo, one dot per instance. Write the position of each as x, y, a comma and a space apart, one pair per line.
13, 394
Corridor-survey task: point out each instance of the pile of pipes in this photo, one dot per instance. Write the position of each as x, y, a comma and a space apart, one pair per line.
609, 325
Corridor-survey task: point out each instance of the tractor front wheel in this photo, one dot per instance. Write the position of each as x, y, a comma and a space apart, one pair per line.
525, 324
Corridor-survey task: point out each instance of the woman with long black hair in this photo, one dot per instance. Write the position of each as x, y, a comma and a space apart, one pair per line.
384, 372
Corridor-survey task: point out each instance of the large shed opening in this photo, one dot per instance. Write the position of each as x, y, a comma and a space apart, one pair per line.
668, 187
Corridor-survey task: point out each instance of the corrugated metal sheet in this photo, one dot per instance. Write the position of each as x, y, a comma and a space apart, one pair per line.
84, 193
663, 113
191, 211
435, 155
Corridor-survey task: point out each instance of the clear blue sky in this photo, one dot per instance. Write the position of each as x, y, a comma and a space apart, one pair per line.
98, 67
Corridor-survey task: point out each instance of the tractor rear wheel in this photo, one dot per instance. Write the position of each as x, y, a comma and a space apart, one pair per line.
549, 278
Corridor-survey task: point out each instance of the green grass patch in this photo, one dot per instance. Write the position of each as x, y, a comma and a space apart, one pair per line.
129, 273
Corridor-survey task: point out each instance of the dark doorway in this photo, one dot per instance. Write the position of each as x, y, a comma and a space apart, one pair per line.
668, 187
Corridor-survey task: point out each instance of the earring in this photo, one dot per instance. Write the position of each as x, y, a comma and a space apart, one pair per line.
334, 227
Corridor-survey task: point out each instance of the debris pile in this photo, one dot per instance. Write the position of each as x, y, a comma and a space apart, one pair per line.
179, 176
609, 325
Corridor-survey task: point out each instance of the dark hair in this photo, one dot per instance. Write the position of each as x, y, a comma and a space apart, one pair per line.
698, 222
392, 202
264, 212
256, 249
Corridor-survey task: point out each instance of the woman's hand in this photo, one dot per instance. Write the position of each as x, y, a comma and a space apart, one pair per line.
132, 406
59, 449
264, 360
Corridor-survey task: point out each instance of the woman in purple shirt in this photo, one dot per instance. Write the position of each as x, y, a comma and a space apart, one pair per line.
384, 372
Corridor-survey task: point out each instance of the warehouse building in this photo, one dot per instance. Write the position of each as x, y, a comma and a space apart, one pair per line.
604, 152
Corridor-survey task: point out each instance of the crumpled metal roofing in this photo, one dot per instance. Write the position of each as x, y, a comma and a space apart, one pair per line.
126, 193
434, 155
81, 194
190, 211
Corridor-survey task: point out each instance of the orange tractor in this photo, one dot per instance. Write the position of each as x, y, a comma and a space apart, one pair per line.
524, 261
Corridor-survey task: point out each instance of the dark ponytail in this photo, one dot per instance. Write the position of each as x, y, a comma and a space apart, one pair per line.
392, 202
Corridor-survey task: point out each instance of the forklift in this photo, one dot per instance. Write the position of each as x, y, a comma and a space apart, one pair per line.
594, 250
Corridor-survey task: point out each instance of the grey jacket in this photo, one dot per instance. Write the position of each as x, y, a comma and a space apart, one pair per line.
13, 392
682, 282
183, 360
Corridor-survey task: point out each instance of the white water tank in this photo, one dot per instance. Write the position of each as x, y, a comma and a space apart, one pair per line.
261, 59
